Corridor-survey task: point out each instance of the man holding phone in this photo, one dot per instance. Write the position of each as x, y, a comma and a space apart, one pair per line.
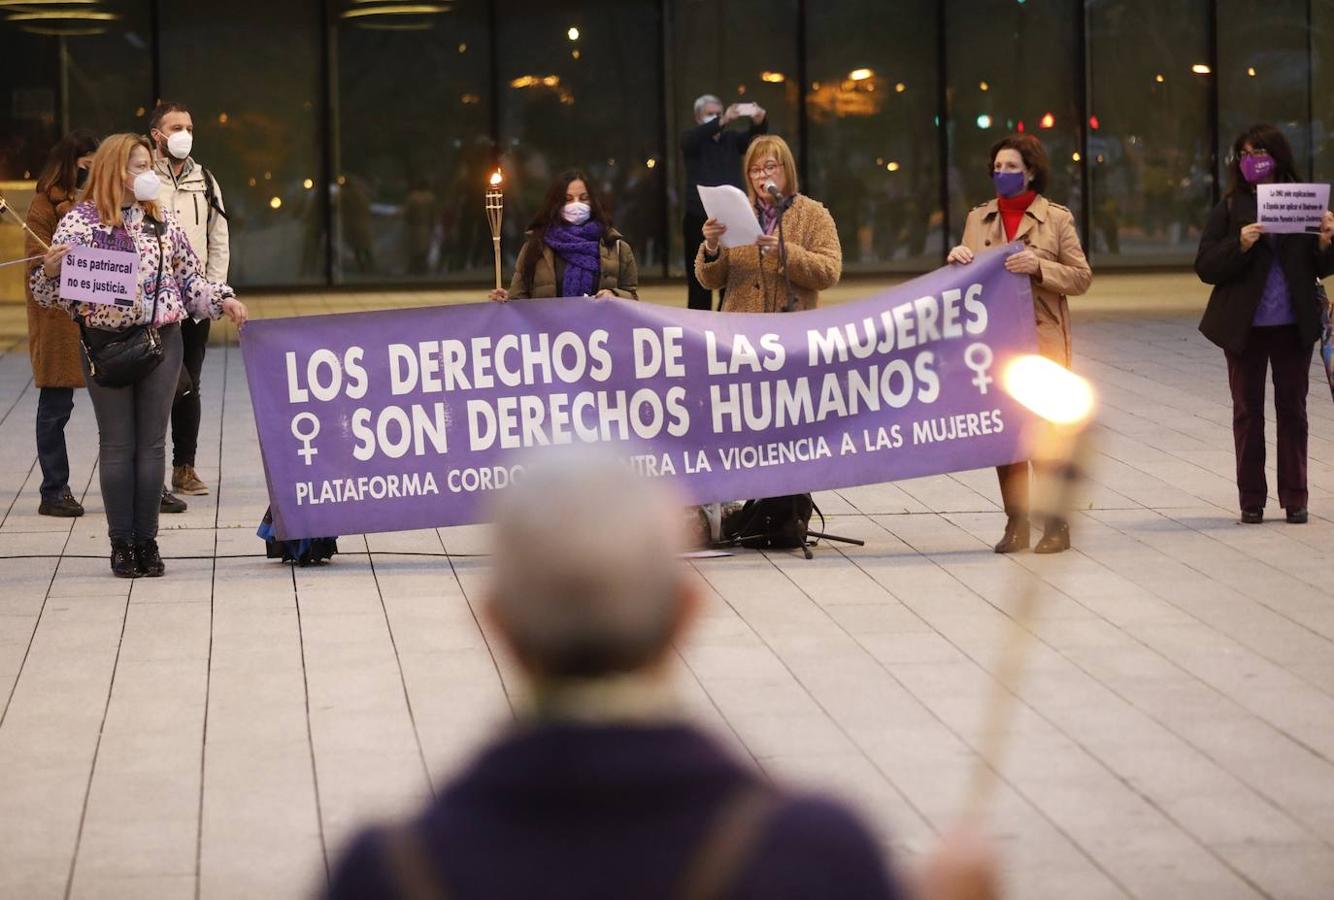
712, 157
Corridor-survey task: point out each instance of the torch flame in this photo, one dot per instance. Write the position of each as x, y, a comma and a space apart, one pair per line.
496, 178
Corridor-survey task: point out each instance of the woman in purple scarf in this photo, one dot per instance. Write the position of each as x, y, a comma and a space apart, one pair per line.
572, 250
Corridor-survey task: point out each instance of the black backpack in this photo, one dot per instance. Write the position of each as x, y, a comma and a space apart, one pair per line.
772, 523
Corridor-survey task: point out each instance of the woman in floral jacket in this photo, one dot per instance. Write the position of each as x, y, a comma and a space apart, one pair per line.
120, 214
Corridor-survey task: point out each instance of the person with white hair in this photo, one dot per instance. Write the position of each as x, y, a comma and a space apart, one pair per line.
712, 156
602, 789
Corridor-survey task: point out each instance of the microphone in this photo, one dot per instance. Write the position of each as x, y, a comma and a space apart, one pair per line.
772, 190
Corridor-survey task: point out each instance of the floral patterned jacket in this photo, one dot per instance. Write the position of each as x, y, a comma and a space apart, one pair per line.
183, 290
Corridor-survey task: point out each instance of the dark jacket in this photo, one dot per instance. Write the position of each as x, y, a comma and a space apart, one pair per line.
1239, 277
606, 812
619, 273
710, 162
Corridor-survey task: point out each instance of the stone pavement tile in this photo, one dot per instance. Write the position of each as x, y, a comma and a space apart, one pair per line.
1291, 871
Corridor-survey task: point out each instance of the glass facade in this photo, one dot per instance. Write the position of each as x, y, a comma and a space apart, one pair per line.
353, 139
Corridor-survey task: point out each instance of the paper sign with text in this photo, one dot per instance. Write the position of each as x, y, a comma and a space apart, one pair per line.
94, 275
1291, 208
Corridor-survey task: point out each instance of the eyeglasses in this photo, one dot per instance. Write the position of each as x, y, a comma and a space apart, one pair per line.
1258, 151
768, 168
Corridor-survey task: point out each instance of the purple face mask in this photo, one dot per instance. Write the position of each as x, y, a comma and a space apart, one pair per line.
1256, 169
1008, 184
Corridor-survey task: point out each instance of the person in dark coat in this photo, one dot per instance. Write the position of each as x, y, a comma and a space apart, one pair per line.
712, 154
1263, 311
602, 790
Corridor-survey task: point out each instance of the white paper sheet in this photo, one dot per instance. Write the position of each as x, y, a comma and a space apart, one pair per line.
1292, 208
730, 206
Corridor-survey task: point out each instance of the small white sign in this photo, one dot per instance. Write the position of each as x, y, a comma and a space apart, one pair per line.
94, 275
1292, 208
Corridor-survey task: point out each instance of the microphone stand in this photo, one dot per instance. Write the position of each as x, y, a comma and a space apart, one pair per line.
783, 206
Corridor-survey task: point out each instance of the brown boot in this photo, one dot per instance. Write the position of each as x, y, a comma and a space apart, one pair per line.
1055, 537
1016, 536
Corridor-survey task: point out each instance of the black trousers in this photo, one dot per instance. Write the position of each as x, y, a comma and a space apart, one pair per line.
54, 406
186, 411
692, 229
1280, 348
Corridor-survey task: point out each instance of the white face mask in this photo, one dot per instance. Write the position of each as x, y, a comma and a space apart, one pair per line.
708, 119
179, 144
576, 213
146, 186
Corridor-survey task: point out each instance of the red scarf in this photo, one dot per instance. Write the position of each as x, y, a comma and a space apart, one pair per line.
1012, 210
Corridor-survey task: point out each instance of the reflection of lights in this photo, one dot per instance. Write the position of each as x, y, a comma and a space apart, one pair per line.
308, 183
652, 163
140, 112
740, 88
573, 33
1250, 70
815, 85
900, 88
892, 166
861, 74
496, 178
463, 48
1075, 156
222, 118
251, 182
1093, 123
574, 54
1047, 121
1020, 127
527, 81
983, 86
268, 176
470, 99
1200, 69
1048, 389
1101, 158
773, 77
1159, 78
342, 179
66, 15
275, 203
401, 9
984, 121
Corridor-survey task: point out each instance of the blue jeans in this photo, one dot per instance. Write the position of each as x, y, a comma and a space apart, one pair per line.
54, 406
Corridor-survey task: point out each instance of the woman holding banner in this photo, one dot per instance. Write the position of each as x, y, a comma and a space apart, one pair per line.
1264, 311
572, 250
119, 214
53, 340
1054, 261
753, 275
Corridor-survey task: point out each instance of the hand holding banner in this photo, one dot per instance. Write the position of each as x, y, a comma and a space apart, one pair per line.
407, 418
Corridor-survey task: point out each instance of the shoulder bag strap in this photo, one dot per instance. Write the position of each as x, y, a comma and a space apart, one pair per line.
729, 843
414, 874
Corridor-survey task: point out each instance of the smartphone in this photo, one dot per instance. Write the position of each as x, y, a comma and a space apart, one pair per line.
747, 109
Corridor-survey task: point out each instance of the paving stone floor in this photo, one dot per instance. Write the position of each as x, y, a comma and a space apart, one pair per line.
220, 732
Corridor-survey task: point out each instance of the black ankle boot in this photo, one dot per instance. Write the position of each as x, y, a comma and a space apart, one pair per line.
149, 559
1016, 535
123, 564
1055, 537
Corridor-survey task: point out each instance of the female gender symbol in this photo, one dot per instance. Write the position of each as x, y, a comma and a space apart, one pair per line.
305, 437
978, 357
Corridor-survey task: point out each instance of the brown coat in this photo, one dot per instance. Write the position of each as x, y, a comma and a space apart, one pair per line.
619, 272
1049, 231
53, 338
754, 283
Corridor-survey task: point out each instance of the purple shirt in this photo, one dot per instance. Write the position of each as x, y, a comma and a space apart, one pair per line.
1275, 300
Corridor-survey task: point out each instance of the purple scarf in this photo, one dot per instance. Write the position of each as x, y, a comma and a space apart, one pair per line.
767, 214
578, 246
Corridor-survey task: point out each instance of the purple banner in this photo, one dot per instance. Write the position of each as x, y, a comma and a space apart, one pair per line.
408, 418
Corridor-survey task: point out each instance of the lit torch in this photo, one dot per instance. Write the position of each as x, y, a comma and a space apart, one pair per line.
495, 206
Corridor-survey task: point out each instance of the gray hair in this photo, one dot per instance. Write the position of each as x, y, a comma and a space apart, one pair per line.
702, 101
586, 575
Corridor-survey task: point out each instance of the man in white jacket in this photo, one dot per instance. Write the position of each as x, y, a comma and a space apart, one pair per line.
192, 195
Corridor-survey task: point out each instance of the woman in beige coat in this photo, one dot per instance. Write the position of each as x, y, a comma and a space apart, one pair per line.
571, 249
752, 275
1054, 260
53, 338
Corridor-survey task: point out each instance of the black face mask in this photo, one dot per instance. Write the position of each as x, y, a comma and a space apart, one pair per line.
80, 177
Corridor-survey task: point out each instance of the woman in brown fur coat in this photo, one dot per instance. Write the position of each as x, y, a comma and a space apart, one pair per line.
53, 338
751, 275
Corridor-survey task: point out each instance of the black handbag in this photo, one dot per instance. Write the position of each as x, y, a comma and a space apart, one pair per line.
125, 357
